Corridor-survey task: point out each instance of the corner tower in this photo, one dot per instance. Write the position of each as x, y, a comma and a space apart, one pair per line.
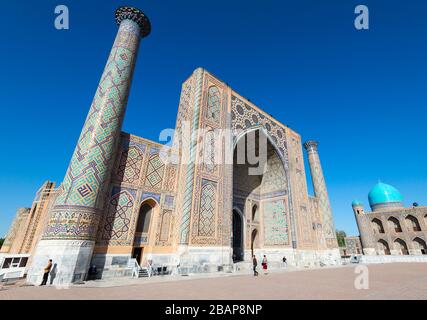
70, 235
320, 192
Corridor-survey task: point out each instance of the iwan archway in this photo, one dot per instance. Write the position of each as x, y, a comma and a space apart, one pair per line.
261, 192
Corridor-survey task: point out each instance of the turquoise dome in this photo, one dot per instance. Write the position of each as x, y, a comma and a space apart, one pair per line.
356, 203
383, 193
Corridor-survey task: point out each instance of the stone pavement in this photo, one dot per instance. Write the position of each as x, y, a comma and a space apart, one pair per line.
386, 281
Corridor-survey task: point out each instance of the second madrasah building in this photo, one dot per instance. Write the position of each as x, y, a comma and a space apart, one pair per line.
390, 228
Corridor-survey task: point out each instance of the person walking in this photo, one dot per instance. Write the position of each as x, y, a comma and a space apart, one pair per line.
255, 264
284, 261
264, 264
46, 272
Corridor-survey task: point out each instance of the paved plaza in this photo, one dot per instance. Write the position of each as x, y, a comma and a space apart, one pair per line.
386, 281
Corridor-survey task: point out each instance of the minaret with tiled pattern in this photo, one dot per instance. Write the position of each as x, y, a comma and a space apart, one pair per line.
70, 235
321, 193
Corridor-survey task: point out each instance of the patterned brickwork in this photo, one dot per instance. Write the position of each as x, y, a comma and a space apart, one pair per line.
155, 171
213, 110
129, 169
190, 172
304, 216
118, 218
210, 151
211, 229
245, 117
274, 179
207, 209
89, 170
321, 193
170, 177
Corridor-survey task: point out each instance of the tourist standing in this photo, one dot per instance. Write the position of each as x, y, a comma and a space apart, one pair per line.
46, 272
264, 264
255, 263
284, 261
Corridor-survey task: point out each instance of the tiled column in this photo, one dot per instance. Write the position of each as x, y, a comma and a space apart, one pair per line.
70, 235
321, 193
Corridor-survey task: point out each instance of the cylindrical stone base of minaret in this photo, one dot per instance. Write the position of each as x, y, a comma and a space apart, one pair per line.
70, 261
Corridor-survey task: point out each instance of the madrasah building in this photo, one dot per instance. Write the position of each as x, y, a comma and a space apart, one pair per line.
186, 206
390, 229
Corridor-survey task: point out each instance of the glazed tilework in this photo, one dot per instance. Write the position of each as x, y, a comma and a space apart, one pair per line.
207, 209
90, 166
118, 218
187, 202
321, 193
275, 223
193, 201
245, 117
155, 171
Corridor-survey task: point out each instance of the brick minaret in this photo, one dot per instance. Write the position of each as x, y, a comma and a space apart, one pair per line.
321, 194
70, 235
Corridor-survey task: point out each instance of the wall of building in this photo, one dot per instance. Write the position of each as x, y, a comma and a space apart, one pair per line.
193, 187
142, 174
12, 242
29, 223
375, 239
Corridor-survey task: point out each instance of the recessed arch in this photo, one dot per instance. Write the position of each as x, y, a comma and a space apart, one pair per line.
145, 215
377, 225
401, 247
394, 224
144, 228
255, 213
420, 244
238, 232
412, 223
255, 183
383, 247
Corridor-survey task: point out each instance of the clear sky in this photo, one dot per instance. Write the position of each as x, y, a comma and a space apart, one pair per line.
361, 94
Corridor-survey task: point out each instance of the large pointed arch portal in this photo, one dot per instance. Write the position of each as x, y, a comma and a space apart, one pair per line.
261, 189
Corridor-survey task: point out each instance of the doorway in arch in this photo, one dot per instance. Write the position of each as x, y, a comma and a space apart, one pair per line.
254, 241
237, 237
143, 230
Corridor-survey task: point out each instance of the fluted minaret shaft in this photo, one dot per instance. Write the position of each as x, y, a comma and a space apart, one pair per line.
77, 210
321, 193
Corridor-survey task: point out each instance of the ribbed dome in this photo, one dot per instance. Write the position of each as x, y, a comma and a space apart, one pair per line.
384, 193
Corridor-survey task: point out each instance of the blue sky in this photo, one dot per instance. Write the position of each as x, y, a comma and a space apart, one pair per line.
361, 94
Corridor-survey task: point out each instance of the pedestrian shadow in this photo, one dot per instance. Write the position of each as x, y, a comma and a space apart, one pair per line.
53, 273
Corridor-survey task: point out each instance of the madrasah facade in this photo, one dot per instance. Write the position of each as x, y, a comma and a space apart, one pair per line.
196, 205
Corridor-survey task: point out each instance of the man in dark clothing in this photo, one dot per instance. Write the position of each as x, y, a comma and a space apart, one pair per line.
46, 272
255, 263
284, 262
